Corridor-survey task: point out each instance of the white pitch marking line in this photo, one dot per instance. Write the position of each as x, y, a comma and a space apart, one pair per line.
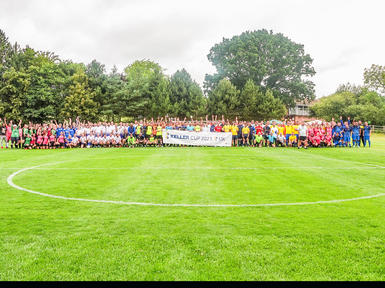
373, 166
10, 182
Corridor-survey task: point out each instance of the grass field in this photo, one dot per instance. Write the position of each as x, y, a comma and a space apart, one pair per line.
43, 238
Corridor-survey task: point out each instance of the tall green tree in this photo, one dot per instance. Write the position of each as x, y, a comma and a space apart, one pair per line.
248, 101
161, 104
12, 93
224, 100
268, 106
185, 95
123, 102
43, 96
148, 87
255, 104
5, 51
5, 56
80, 100
374, 78
31, 88
113, 106
271, 61
96, 73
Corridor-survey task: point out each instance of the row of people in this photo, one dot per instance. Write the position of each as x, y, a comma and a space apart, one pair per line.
149, 133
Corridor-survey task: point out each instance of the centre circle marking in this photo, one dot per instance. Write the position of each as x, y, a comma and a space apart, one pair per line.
11, 183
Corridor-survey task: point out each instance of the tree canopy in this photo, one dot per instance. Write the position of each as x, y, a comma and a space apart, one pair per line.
272, 61
362, 105
374, 78
259, 75
186, 96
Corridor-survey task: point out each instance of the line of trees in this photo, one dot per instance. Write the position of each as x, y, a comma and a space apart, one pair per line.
365, 102
259, 75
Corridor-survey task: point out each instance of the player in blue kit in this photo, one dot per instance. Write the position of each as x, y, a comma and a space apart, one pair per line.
337, 133
59, 129
72, 131
252, 134
356, 134
367, 133
347, 130
66, 131
131, 130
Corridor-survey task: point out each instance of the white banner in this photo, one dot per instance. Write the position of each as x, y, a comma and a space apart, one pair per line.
197, 138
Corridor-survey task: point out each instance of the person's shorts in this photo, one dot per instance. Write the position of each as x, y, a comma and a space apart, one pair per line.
366, 137
336, 140
235, 137
287, 137
258, 138
292, 139
158, 137
271, 138
14, 139
302, 138
266, 137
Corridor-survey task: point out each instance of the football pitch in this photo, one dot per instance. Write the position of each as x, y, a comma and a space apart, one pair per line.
193, 213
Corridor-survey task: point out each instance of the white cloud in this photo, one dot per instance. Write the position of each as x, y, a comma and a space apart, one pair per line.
343, 37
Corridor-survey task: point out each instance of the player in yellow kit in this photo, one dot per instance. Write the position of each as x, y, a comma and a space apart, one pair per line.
158, 137
295, 131
288, 131
234, 132
245, 133
292, 140
281, 129
227, 127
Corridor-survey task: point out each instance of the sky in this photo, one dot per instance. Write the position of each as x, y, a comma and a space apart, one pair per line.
342, 36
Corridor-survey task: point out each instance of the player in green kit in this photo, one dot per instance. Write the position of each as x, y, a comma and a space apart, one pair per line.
27, 141
151, 141
258, 140
15, 135
158, 137
25, 131
149, 131
131, 141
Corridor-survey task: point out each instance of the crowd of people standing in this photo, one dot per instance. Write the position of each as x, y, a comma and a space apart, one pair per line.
143, 133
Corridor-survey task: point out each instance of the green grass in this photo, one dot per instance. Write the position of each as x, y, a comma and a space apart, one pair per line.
43, 238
